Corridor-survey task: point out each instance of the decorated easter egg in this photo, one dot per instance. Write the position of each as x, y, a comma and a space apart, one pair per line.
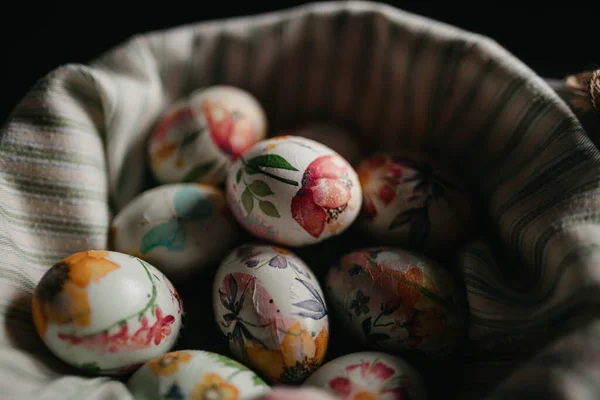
398, 301
331, 135
409, 202
269, 306
369, 375
195, 374
180, 228
106, 312
293, 191
199, 136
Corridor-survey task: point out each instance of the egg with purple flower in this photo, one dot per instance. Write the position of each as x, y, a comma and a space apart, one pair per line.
270, 308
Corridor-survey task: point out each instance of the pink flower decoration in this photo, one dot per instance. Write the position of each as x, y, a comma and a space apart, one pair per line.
324, 194
366, 381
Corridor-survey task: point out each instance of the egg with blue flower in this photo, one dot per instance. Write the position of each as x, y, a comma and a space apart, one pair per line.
181, 228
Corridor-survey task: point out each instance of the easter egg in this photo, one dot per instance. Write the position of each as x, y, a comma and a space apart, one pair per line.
331, 135
269, 306
195, 374
198, 137
398, 301
180, 228
293, 191
410, 202
369, 375
106, 312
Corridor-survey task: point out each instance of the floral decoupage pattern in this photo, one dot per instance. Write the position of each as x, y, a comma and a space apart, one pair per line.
369, 376
195, 375
198, 137
293, 191
106, 312
398, 301
270, 308
409, 202
168, 226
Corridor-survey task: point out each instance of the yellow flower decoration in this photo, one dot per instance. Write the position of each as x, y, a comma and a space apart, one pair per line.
298, 356
281, 250
167, 364
61, 295
214, 387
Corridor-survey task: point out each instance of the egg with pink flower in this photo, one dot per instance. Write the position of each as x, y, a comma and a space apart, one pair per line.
369, 375
199, 136
293, 191
414, 202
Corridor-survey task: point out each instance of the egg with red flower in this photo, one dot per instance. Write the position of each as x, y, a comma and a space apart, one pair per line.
106, 312
412, 202
293, 191
199, 136
369, 375
398, 301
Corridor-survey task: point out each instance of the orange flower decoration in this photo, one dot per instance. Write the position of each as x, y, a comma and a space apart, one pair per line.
61, 297
298, 356
214, 387
167, 364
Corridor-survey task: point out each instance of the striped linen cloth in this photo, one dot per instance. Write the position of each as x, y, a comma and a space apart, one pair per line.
73, 153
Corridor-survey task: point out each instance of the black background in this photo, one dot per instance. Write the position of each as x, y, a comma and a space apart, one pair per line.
554, 39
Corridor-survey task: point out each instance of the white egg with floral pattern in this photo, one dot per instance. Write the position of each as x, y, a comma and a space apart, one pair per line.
195, 374
293, 191
399, 301
369, 375
180, 228
411, 201
198, 137
269, 306
106, 312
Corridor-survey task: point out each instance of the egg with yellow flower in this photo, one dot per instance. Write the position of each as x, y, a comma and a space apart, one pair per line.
195, 374
106, 312
398, 301
270, 307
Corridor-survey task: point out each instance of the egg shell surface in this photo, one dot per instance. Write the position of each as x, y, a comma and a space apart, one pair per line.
411, 202
369, 375
198, 137
195, 374
293, 191
398, 301
331, 135
106, 312
180, 228
270, 307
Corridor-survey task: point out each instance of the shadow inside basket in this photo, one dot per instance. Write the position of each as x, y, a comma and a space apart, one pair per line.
399, 84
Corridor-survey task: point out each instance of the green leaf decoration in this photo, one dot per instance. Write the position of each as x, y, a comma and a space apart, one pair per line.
228, 362
251, 170
199, 171
91, 367
192, 204
258, 381
271, 161
247, 200
238, 176
366, 326
260, 188
378, 337
170, 234
269, 208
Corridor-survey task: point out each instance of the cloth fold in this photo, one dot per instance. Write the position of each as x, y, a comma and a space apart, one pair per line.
72, 154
